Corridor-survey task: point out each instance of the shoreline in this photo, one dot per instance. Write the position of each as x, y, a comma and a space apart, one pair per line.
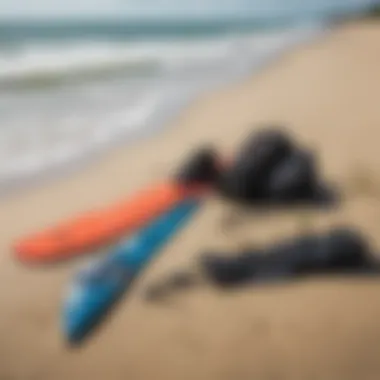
325, 93
29, 176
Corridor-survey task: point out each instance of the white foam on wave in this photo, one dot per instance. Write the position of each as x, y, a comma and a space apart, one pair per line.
55, 136
44, 62
70, 58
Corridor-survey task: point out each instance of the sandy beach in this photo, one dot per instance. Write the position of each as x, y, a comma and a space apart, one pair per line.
326, 93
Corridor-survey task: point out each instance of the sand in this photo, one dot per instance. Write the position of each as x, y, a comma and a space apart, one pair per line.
327, 94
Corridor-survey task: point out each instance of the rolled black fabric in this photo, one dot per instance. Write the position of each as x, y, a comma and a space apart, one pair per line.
335, 251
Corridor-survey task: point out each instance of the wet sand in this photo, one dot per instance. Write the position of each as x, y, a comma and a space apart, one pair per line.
327, 94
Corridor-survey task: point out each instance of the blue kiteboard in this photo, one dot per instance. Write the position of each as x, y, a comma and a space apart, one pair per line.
97, 286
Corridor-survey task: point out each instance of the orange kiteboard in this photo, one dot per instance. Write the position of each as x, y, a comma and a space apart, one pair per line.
96, 228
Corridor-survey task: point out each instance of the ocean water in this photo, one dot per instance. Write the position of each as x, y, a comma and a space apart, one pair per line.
70, 90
